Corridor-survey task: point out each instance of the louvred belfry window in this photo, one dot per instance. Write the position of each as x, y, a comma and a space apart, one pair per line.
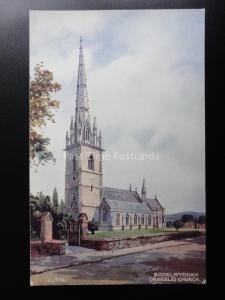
91, 163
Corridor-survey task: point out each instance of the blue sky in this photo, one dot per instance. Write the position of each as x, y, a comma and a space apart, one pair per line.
145, 78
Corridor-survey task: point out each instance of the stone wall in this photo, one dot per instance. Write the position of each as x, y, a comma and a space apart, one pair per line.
39, 248
119, 243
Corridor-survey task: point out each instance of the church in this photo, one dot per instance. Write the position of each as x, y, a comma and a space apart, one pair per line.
111, 208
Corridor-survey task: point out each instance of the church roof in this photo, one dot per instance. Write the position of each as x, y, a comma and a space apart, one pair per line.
121, 195
118, 205
119, 199
154, 204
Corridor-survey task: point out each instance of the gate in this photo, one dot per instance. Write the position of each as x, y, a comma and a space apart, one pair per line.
78, 230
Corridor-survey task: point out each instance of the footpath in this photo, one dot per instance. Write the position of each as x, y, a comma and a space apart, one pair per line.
79, 255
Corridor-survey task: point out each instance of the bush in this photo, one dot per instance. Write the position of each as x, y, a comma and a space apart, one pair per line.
169, 224
92, 226
177, 224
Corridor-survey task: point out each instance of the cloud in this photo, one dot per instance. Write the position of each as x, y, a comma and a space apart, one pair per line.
145, 77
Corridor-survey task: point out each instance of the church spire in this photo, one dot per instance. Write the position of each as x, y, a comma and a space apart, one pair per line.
81, 129
82, 103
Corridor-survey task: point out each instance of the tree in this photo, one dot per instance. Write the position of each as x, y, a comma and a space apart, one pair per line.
187, 220
42, 104
47, 205
196, 223
35, 217
61, 206
60, 220
41, 197
177, 224
202, 219
55, 199
169, 224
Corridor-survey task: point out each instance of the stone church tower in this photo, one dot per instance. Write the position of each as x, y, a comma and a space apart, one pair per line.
83, 175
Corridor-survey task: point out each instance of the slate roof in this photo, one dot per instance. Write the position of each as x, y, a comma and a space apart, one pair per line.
117, 205
124, 200
154, 204
121, 195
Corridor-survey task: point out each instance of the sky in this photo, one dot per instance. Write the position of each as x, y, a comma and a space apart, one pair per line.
145, 81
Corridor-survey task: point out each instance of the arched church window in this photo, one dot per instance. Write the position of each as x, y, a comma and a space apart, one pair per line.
127, 219
139, 220
149, 220
91, 163
104, 214
142, 220
118, 219
135, 219
159, 218
74, 205
91, 187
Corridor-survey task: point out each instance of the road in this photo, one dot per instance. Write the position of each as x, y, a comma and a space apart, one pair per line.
177, 263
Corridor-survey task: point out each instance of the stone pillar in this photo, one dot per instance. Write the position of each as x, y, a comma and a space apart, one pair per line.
83, 222
46, 227
78, 230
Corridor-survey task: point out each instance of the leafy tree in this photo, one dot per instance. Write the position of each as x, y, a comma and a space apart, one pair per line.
177, 224
202, 219
41, 197
196, 223
60, 220
61, 206
187, 218
169, 224
42, 104
47, 205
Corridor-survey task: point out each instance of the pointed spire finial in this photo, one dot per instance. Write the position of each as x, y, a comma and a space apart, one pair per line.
143, 187
71, 124
94, 123
143, 190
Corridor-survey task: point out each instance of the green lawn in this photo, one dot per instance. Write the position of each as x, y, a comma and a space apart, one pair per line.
128, 232
134, 232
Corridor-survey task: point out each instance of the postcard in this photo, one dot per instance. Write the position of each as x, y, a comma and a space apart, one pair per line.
117, 147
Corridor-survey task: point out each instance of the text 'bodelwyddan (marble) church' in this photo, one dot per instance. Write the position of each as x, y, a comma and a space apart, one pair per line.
112, 208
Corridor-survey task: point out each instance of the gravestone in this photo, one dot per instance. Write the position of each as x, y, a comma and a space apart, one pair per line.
46, 227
